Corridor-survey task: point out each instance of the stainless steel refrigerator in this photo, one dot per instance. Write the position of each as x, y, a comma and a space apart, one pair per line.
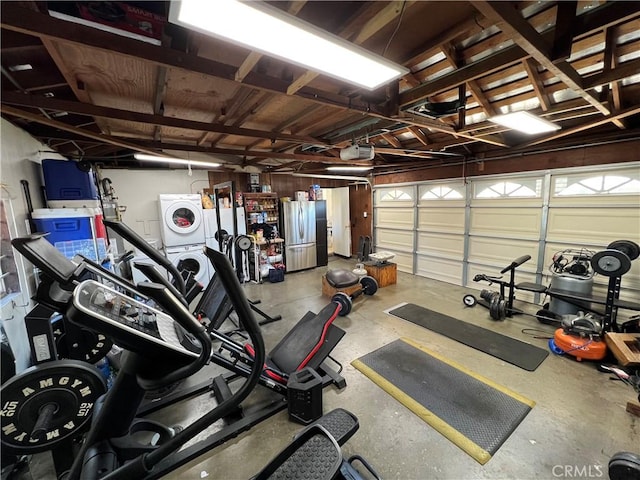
299, 224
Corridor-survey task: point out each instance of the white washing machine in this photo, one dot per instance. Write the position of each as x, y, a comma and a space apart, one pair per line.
193, 259
181, 219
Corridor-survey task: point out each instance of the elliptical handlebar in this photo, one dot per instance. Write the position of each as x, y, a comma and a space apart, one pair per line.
143, 464
141, 244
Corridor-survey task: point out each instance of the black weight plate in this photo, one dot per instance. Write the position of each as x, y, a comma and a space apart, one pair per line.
220, 233
92, 348
344, 301
72, 386
610, 263
497, 308
629, 248
469, 300
624, 466
369, 285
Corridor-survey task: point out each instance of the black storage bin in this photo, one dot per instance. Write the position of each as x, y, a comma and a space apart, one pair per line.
304, 395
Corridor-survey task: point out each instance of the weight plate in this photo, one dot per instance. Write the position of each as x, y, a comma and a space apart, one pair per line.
91, 348
344, 301
624, 466
469, 300
497, 308
610, 263
629, 248
369, 285
70, 385
243, 242
220, 233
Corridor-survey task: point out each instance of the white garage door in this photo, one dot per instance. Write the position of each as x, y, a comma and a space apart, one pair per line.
394, 224
450, 230
441, 231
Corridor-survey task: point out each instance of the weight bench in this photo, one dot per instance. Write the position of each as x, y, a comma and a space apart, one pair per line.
347, 286
308, 344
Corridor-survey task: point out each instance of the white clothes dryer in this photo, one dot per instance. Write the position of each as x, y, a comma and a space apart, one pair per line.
192, 258
181, 219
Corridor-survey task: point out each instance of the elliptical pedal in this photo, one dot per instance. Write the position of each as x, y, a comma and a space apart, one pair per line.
340, 423
315, 452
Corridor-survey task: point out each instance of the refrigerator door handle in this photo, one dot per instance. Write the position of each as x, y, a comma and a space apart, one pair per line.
300, 221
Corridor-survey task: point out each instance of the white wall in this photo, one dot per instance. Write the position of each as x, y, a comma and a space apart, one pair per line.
138, 191
20, 160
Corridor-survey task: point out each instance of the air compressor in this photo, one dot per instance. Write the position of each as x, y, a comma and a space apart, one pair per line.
580, 337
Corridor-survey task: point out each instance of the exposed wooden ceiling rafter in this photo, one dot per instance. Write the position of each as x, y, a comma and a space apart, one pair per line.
115, 113
610, 13
515, 25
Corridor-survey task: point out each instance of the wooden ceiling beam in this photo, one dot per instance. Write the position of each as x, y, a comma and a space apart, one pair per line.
290, 121
257, 105
19, 19
247, 65
118, 114
239, 152
425, 51
610, 63
531, 68
453, 58
523, 33
34, 117
611, 13
420, 136
413, 119
622, 70
563, 34
586, 126
391, 140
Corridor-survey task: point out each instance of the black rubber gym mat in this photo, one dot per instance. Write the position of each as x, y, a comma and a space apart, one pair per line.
473, 412
518, 353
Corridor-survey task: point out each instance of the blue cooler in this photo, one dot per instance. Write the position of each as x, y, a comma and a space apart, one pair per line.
63, 180
69, 230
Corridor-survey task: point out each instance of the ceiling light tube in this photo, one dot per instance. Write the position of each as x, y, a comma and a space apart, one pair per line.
525, 122
266, 29
143, 157
347, 168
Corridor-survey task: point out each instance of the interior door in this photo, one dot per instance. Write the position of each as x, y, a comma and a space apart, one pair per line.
341, 222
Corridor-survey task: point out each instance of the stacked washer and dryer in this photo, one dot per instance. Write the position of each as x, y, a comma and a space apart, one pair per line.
183, 233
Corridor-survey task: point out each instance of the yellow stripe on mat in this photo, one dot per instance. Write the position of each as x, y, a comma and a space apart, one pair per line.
456, 437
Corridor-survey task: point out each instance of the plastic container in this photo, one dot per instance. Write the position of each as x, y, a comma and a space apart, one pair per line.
64, 180
73, 230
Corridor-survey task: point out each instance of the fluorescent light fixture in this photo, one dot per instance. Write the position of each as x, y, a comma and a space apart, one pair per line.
525, 122
349, 169
21, 67
271, 31
143, 157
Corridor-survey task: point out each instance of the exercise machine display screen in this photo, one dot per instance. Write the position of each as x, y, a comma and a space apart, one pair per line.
129, 322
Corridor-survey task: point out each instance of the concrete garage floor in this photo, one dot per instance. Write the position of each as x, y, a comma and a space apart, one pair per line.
578, 422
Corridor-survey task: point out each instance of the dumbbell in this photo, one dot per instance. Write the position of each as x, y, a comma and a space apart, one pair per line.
368, 286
